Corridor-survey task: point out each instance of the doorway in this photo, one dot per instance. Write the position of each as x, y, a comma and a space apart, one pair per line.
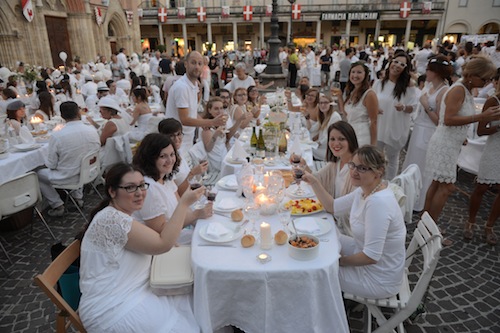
57, 31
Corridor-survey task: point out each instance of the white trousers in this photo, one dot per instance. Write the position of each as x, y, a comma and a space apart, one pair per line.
392, 157
50, 193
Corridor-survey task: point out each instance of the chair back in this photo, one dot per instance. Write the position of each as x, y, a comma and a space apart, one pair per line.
117, 149
410, 180
90, 168
48, 280
19, 193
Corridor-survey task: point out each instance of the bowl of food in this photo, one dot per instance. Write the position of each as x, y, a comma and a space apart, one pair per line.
303, 247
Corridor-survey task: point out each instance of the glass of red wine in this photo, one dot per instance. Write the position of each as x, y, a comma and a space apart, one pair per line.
298, 172
211, 193
195, 183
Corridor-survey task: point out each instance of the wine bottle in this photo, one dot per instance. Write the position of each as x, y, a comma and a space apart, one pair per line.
253, 140
283, 142
261, 145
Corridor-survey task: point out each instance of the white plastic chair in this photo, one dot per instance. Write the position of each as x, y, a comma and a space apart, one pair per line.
90, 169
426, 239
18, 194
117, 149
410, 180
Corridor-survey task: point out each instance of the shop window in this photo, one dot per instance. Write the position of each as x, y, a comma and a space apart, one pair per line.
496, 3
462, 3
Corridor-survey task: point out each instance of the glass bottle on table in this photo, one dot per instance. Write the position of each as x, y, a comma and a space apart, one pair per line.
261, 145
253, 141
283, 142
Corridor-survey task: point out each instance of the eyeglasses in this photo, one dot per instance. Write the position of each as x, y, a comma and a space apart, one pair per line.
176, 135
134, 188
446, 63
241, 95
310, 95
399, 63
359, 168
224, 97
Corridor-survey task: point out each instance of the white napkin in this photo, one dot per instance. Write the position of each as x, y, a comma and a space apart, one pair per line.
25, 135
307, 225
227, 204
296, 148
216, 230
239, 152
231, 181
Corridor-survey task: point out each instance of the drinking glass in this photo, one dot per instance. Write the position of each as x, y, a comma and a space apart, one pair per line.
195, 183
211, 193
335, 89
298, 172
285, 214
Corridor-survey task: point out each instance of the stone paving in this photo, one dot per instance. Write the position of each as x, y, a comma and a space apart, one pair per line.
464, 295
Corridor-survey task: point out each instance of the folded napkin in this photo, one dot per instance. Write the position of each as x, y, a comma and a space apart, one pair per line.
307, 225
239, 152
296, 148
216, 230
227, 204
231, 181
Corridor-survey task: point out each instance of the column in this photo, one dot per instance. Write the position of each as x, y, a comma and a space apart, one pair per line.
289, 31
377, 30
235, 35
262, 43
347, 31
185, 37
318, 31
160, 34
407, 33
209, 32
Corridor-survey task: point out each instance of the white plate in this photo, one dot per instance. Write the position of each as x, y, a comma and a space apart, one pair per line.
230, 160
43, 139
234, 204
26, 146
222, 183
230, 236
308, 192
324, 226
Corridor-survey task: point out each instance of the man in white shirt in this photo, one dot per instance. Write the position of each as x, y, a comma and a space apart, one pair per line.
122, 58
422, 58
67, 148
89, 88
241, 80
184, 107
310, 61
154, 65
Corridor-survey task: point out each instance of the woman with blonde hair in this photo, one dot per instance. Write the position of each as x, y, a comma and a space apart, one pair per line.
327, 116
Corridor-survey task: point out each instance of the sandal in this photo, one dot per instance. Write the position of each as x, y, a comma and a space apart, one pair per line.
442, 231
491, 238
446, 242
468, 230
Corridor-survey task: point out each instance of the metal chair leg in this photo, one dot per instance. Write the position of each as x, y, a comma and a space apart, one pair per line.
44, 222
6, 253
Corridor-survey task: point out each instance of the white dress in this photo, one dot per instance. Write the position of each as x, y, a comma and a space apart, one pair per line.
320, 152
141, 127
217, 154
379, 232
357, 117
114, 281
423, 129
490, 160
446, 142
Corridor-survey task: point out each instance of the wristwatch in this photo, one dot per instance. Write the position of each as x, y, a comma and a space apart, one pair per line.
429, 109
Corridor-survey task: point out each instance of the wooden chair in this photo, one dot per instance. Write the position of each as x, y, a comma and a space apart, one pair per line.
427, 240
47, 282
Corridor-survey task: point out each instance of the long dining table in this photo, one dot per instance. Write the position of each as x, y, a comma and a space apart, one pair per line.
232, 287
16, 162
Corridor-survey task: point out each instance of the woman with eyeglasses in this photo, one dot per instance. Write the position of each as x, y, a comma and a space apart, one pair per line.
173, 129
438, 75
372, 259
360, 104
115, 262
326, 117
239, 109
397, 98
158, 159
456, 112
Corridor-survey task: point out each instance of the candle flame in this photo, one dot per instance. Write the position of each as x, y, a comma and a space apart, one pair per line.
36, 120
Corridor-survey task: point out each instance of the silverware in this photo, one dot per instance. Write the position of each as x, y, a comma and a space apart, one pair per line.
294, 228
216, 244
238, 228
221, 214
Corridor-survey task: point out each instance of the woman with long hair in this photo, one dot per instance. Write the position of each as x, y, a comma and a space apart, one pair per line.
360, 104
438, 75
326, 117
115, 262
214, 140
141, 115
397, 98
456, 112
239, 108
46, 108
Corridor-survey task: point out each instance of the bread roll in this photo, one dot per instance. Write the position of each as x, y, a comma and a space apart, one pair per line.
237, 215
280, 237
247, 241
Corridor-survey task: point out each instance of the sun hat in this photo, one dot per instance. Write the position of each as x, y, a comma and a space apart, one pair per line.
101, 86
15, 105
109, 102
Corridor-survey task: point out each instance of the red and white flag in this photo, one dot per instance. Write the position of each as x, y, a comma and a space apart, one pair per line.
247, 13
296, 12
98, 15
140, 13
28, 10
269, 10
427, 7
404, 9
162, 15
130, 16
202, 14
181, 12
226, 11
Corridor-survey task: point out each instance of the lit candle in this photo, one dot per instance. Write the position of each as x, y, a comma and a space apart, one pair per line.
266, 239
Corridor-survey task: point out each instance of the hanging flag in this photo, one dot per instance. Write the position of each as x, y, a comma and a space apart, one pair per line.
225, 11
162, 15
427, 7
247, 13
28, 10
202, 14
296, 12
181, 12
140, 13
130, 16
404, 9
98, 15
269, 10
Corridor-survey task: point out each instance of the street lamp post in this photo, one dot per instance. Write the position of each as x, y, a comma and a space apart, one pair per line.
291, 43
273, 64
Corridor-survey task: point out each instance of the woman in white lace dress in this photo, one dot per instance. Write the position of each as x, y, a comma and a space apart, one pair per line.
360, 104
116, 262
438, 73
457, 111
488, 174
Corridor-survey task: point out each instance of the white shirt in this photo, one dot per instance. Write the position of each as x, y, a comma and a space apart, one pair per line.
89, 88
237, 83
421, 59
122, 60
310, 60
153, 66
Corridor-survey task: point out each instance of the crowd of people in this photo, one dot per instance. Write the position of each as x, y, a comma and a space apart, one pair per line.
204, 104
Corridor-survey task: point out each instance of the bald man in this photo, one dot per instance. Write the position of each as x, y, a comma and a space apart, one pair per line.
184, 107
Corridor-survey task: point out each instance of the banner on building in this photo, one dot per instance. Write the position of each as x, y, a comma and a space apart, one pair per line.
181, 12
28, 10
130, 16
98, 16
140, 13
225, 11
162, 15
427, 7
202, 14
404, 9
247, 13
296, 12
269, 10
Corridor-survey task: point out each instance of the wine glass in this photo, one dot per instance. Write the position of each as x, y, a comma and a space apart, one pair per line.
285, 214
335, 89
298, 172
195, 183
211, 193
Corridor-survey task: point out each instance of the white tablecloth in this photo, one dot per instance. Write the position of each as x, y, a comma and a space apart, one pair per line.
18, 163
284, 295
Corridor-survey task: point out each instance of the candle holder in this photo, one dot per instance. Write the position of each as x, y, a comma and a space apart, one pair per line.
264, 258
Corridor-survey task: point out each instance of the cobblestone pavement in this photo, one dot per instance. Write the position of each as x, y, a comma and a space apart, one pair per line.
463, 295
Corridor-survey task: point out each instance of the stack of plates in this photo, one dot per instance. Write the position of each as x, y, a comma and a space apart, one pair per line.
26, 146
228, 183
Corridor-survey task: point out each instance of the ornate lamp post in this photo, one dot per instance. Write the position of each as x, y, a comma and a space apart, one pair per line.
291, 43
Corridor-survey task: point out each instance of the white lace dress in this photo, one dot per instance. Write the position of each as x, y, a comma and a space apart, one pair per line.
446, 142
490, 160
114, 282
357, 117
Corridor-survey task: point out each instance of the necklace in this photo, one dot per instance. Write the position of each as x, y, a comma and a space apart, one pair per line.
374, 190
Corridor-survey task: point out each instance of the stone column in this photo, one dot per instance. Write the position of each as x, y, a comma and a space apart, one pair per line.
235, 35
348, 31
160, 34
318, 31
262, 42
289, 32
185, 37
377, 29
209, 32
83, 43
407, 33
